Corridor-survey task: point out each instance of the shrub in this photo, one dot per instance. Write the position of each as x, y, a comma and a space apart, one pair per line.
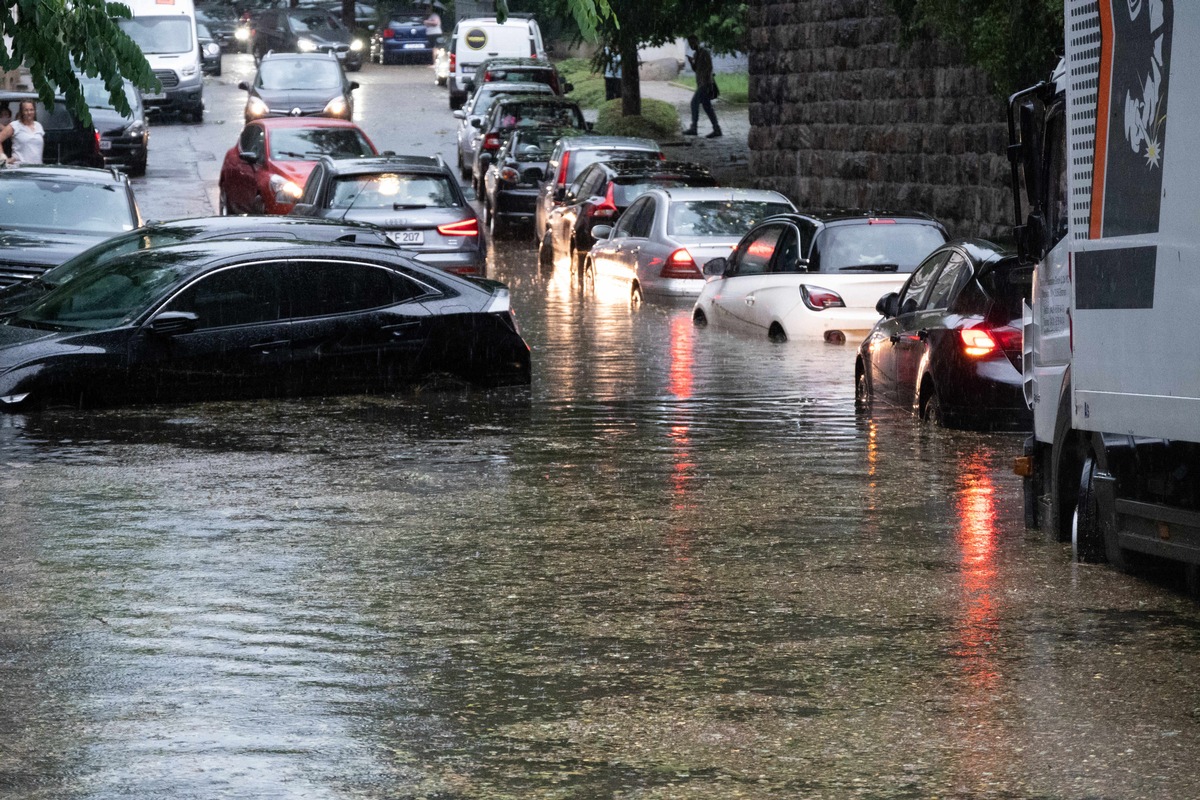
658, 120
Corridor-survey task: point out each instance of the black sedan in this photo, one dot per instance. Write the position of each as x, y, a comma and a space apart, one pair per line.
251, 319
124, 139
949, 345
195, 229
299, 85
512, 181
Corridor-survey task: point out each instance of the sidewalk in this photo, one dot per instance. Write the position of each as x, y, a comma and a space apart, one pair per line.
729, 156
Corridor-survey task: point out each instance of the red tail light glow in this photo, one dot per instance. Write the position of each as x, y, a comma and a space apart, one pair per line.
983, 342
96, 143
453, 62
562, 169
607, 208
388, 33
466, 227
491, 141
819, 299
680, 264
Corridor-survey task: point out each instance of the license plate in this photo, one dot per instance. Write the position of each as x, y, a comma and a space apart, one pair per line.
155, 96
413, 46
407, 237
105, 144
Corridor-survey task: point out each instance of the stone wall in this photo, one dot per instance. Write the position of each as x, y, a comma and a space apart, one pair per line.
843, 115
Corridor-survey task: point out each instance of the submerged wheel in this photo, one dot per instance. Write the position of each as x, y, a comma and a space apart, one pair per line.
635, 294
546, 253
1087, 538
931, 412
699, 319
776, 333
862, 390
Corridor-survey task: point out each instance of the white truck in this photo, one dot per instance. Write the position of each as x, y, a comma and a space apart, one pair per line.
1106, 184
165, 30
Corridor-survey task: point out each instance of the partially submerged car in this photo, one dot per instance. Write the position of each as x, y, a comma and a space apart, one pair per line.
222, 319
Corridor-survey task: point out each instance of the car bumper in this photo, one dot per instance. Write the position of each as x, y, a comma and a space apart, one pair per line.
516, 203
854, 323
982, 394
460, 262
671, 287
410, 49
189, 98
123, 151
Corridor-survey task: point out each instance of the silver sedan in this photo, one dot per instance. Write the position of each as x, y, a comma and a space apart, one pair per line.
662, 241
472, 113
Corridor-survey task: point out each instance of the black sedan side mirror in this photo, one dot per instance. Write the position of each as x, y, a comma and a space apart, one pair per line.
601, 232
244, 86
172, 323
889, 305
716, 267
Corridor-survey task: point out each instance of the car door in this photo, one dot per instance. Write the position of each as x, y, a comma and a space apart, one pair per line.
562, 221
928, 325
616, 257
356, 325
239, 345
241, 189
736, 295
899, 344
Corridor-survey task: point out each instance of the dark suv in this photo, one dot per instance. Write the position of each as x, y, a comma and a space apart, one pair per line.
601, 193
299, 85
306, 30
519, 70
509, 113
415, 199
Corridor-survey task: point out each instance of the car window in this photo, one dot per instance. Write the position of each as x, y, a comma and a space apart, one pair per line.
913, 294
584, 157
1008, 284
312, 186
956, 272
110, 294
585, 184
626, 190
533, 145
324, 288
754, 255
393, 190
308, 144
54, 204
719, 217
876, 247
787, 251
246, 294
298, 73
252, 139
637, 220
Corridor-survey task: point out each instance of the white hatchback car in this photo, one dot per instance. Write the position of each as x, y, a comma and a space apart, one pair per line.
812, 276
660, 243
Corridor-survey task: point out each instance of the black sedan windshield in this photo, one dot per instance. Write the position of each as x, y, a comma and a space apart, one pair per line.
108, 296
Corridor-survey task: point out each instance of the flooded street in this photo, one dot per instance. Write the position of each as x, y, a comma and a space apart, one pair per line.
681, 565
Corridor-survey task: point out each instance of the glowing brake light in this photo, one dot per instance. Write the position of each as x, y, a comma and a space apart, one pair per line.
388, 33
819, 299
979, 343
96, 144
607, 208
680, 264
466, 227
562, 169
491, 141
510, 175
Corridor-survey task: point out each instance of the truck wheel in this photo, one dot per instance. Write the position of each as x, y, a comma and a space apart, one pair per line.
1087, 538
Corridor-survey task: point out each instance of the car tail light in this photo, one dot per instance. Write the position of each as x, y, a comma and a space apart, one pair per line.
662, 156
96, 143
510, 175
453, 62
466, 227
562, 168
532, 49
388, 33
984, 342
819, 299
680, 264
491, 141
607, 207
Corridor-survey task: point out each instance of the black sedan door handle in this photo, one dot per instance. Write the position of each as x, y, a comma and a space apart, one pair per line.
267, 347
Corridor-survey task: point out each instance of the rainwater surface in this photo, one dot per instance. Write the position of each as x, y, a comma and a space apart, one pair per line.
681, 565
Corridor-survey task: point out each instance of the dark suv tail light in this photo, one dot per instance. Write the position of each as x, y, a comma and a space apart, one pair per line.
562, 168
388, 33
680, 264
986, 342
607, 208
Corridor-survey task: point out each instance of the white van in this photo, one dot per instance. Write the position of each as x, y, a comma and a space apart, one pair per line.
166, 32
475, 40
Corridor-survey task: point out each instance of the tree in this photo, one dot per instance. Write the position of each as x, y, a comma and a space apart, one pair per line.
56, 38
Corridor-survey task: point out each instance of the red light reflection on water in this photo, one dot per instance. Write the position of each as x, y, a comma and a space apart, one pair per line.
680, 380
978, 626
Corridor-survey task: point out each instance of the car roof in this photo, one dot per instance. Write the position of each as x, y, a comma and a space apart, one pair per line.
387, 162
513, 21
681, 194
303, 122
855, 216
594, 142
266, 224
64, 172
541, 100
276, 56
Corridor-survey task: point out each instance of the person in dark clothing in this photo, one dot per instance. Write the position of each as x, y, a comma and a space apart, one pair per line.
701, 61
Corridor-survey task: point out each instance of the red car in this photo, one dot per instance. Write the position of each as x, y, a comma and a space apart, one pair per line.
264, 173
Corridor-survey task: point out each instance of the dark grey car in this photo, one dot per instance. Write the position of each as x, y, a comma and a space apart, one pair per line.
299, 85
415, 199
307, 30
124, 140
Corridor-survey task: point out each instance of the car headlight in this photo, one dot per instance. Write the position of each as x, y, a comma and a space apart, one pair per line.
281, 185
306, 46
212, 49
136, 128
187, 72
337, 107
357, 44
242, 34
255, 108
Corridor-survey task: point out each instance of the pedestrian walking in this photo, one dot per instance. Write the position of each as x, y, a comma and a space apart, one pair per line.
706, 87
612, 74
433, 27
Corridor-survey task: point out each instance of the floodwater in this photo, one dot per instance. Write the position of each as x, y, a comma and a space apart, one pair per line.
680, 566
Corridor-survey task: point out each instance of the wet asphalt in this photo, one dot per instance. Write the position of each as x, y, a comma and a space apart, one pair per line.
680, 565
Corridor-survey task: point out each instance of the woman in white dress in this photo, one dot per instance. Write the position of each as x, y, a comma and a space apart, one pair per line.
27, 134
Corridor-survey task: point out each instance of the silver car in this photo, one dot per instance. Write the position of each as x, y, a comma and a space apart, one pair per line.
662, 241
471, 115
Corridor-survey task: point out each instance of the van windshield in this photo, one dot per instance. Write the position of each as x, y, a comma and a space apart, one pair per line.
160, 35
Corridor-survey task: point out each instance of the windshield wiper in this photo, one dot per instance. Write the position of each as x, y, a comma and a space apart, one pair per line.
21, 322
871, 268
